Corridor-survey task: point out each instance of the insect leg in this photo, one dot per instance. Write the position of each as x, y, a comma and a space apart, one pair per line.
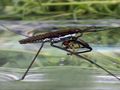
32, 61
85, 45
92, 62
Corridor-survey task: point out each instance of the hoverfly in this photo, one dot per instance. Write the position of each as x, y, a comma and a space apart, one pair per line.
70, 40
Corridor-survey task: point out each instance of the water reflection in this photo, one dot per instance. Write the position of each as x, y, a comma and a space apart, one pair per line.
35, 78
67, 78
7, 77
105, 79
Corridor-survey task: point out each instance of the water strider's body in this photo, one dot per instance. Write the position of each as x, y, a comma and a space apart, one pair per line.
69, 38
51, 35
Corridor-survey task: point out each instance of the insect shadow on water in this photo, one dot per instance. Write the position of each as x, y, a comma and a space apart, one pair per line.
71, 43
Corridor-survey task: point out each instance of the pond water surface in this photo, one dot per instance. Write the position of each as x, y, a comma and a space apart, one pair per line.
59, 78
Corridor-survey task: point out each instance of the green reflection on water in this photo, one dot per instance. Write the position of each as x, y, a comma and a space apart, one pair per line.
64, 78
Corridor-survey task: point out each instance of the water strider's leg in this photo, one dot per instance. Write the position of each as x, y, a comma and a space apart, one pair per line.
84, 45
32, 62
92, 62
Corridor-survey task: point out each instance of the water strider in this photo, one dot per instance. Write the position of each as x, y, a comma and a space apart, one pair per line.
71, 43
